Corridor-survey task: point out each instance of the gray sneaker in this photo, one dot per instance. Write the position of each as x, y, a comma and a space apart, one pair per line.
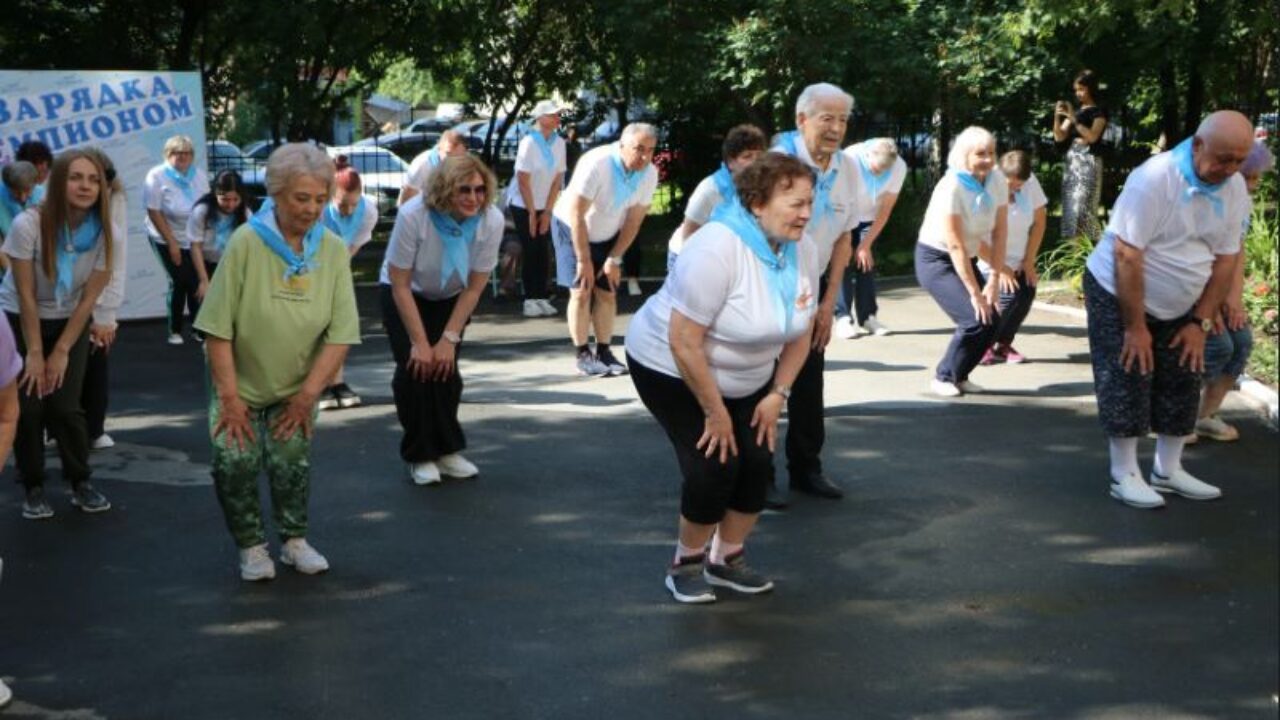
88, 499
735, 575
685, 581
605, 357
34, 506
589, 366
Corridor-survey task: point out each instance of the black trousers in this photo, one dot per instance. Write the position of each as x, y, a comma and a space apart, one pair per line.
709, 487
806, 428
1014, 308
858, 286
535, 255
59, 411
94, 394
183, 283
937, 274
428, 411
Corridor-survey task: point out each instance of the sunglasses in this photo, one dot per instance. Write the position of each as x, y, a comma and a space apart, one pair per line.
472, 189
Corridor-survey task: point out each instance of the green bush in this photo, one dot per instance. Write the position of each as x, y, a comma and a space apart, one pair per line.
1262, 260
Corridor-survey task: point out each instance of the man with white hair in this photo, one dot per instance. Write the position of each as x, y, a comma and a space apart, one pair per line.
450, 143
882, 173
1153, 286
822, 116
593, 223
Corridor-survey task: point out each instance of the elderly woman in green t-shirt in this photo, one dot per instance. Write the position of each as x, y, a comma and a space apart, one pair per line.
279, 317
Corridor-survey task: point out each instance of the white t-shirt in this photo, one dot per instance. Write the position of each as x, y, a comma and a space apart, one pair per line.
415, 245
702, 202
198, 232
112, 297
719, 283
824, 231
420, 169
23, 243
869, 204
593, 180
1179, 235
364, 233
950, 198
529, 159
1020, 220
160, 192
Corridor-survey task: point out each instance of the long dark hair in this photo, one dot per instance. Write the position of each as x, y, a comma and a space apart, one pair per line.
225, 182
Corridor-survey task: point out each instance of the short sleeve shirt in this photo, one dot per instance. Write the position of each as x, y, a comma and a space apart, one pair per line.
1179, 234
363, 233
593, 180
869, 196
200, 231
823, 231
160, 192
720, 284
529, 159
278, 326
978, 222
10, 360
1022, 215
416, 246
420, 169
702, 202
23, 243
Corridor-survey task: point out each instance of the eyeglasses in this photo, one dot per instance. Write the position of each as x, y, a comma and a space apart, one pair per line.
472, 189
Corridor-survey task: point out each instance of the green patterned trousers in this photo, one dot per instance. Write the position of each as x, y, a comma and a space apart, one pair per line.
235, 477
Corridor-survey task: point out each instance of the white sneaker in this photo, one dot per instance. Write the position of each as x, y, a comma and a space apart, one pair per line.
5, 694
845, 329
456, 466
304, 558
547, 308
633, 287
970, 387
1214, 428
872, 325
532, 308
944, 388
425, 473
1133, 492
1185, 484
175, 339
255, 564
103, 441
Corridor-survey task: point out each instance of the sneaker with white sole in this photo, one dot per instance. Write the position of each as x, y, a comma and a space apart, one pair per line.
687, 583
532, 309
735, 575
589, 366
35, 506
616, 368
88, 499
944, 389
845, 329
175, 339
255, 564
346, 397
102, 442
424, 473
1132, 491
967, 386
456, 466
302, 557
1185, 484
328, 399
5, 694
1215, 428
875, 327
548, 309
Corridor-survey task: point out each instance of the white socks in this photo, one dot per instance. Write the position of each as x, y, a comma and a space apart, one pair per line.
683, 552
1168, 454
1124, 458
720, 550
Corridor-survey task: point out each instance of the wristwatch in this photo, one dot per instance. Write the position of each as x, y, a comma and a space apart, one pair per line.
613, 260
1205, 324
783, 390
451, 336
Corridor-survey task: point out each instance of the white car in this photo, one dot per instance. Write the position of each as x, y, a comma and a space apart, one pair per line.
381, 173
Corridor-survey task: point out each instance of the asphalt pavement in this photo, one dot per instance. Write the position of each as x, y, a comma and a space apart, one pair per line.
977, 569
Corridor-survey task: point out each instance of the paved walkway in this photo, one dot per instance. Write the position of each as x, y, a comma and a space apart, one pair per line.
977, 569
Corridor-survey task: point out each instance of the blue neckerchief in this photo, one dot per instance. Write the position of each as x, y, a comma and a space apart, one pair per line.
544, 145
456, 239
873, 182
723, 180
294, 264
781, 270
1022, 202
823, 181
183, 180
625, 182
70, 246
434, 158
37, 194
982, 199
1183, 160
344, 227
222, 231
10, 208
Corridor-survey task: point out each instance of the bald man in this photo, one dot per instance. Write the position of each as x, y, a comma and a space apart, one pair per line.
1153, 286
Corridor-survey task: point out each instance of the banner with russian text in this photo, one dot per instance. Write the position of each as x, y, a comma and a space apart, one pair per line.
127, 114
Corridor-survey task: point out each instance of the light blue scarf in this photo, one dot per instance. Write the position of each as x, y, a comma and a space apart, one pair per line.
456, 239
723, 180
294, 264
625, 182
10, 208
434, 158
982, 199
781, 270
1183, 160
183, 180
544, 145
70, 246
873, 182
1022, 202
824, 181
344, 227
222, 231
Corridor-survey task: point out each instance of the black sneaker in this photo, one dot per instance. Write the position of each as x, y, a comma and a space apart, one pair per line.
88, 499
606, 358
347, 398
34, 506
328, 399
686, 583
735, 575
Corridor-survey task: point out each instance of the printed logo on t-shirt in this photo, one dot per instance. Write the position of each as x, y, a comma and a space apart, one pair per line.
295, 288
804, 294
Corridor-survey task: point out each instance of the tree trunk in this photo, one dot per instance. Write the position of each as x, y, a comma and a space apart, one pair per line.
1169, 105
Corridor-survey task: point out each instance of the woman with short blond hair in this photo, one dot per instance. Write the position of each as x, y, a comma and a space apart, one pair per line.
170, 191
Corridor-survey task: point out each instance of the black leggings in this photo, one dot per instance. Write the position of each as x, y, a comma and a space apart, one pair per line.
183, 283
535, 255
710, 487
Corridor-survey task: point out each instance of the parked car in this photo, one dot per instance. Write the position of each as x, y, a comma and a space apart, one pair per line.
432, 124
381, 173
475, 131
222, 155
406, 145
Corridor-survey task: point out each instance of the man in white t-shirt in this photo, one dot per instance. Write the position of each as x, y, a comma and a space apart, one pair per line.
421, 167
594, 221
1154, 284
822, 116
882, 173
540, 168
